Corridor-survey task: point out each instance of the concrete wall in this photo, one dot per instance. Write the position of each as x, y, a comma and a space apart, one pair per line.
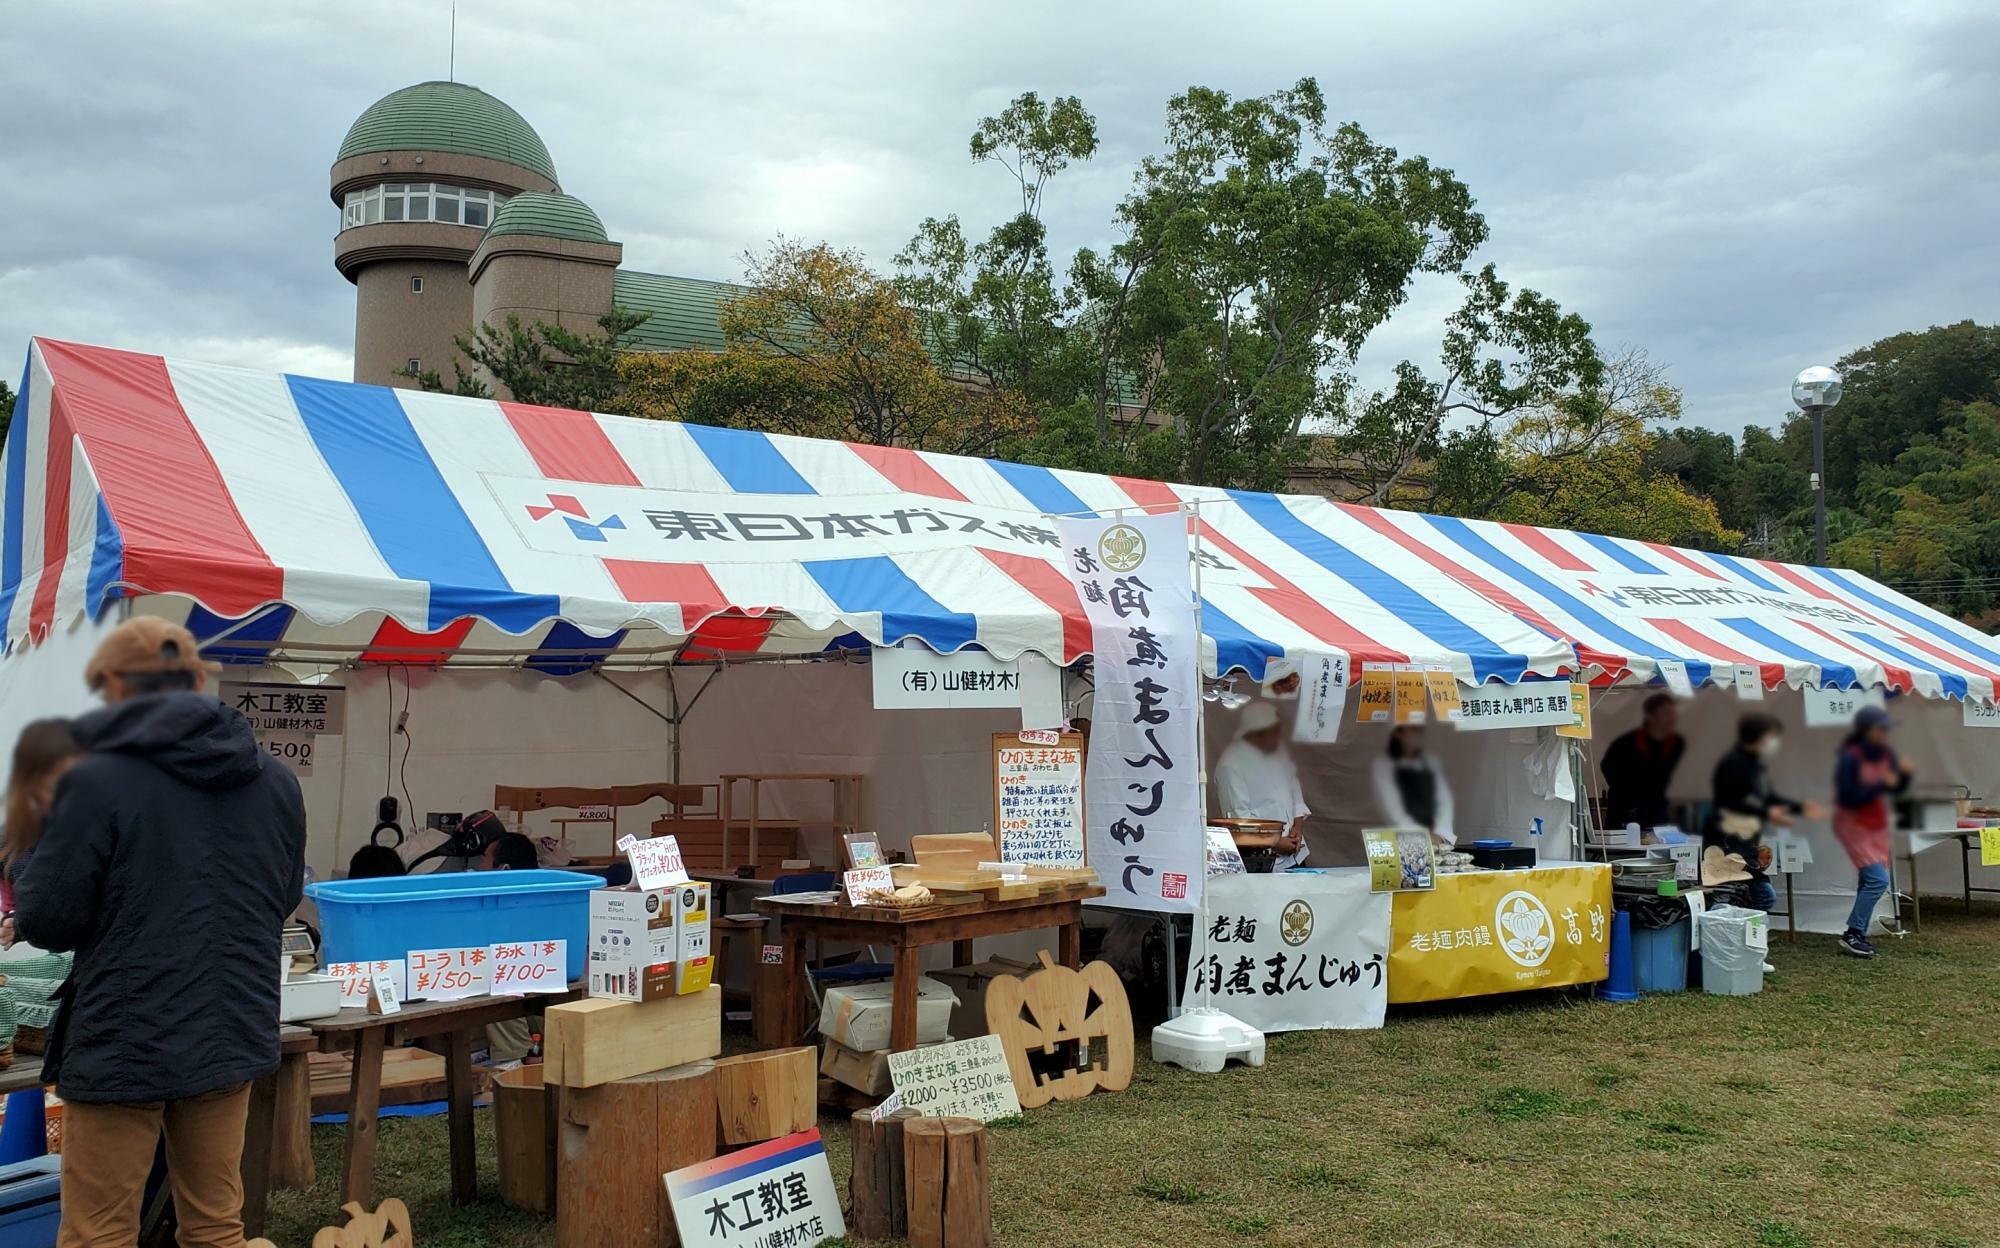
392, 323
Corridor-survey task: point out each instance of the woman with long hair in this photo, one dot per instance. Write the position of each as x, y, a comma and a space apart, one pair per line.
44, 752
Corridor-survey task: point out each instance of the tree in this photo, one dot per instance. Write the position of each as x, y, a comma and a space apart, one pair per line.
6, 410
544, 364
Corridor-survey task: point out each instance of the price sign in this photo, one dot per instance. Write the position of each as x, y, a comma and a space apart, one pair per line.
1410, 693
450, 974
1443, 688
1038, 798
1377, 700
293, 749
962, 1079
600, 813
866, 880
656, 862
354, 977
529, 966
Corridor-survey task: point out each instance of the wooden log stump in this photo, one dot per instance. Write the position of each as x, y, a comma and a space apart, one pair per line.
945, 1184
875, 1187
761, 1096
615, 1141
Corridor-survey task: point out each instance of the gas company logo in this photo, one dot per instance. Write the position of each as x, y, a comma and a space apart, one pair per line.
1295, 922
576, 516
1122, 548
1595, 590
1526, 929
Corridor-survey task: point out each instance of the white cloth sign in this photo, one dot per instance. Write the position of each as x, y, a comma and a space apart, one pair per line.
1294, 951
915, 677
1143, 802
1322, 698
1836, 708
1530, 704
778, 1192
961, 1079
529, 966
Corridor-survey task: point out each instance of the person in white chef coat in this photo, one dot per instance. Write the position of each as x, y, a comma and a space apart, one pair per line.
1256, 779
1410, 788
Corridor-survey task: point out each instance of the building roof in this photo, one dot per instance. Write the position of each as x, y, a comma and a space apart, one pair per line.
683, 313
447, 117
549, 214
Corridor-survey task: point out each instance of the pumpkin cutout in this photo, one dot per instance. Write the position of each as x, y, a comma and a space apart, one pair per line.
1052, 1008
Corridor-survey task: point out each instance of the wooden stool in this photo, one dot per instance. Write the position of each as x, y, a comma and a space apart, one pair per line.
944, 1183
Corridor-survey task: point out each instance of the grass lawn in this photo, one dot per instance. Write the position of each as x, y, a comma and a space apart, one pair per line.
1851, 1104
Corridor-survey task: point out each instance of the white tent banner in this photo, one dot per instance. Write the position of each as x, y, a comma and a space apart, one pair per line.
1143, 781
1322, 698
1294, 951
1530, 705
1836, 708
915, 677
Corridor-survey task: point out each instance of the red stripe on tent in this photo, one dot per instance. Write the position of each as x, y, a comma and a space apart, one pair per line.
1149, 493
1958, 662
403, 647
1684, 559
55, 521
1781, 570
1772, 674
181, 529
906, 470
1547, 547
1898, 677
568, 445
1057, 591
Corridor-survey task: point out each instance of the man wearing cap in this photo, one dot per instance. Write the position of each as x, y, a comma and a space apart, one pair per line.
1865, 776
1256, 779
173, 853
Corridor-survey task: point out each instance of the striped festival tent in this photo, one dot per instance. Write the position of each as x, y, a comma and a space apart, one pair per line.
293, 519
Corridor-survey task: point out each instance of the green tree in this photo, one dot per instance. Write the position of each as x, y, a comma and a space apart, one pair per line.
6, 410
544, 364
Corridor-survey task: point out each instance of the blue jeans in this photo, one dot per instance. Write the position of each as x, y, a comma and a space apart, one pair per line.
1759, 894
1867, 893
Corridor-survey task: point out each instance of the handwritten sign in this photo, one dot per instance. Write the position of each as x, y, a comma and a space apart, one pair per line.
656, 861
1323, 690
1443, 686
779, 1192
527, 966
450, 974
962, 1079
1040, 736
1038, 799
863, 881
1410, 694
600, 813
354, 977
1377, 702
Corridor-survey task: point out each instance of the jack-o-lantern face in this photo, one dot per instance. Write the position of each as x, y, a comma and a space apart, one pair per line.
1051, 1010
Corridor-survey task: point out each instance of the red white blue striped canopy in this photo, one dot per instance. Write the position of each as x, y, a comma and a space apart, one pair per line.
295, 518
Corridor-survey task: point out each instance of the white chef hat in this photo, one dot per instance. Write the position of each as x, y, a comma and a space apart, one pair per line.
1256, 718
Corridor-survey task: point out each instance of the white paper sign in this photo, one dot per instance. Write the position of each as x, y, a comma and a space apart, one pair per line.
778, 1192
961, 1079
354, 977
1675, 673
1041, 692
916, 678
890, 1104
1757, 933
386, 999
865, 880
1143, 800
449, 974
1836, 708
1981, 714
530, 966
1697, 906
1749, 682
599, 812
656, 861
1038, 802
1223, 856
1687, 863
1531, 704
1293, 951
1322, 698
1792, 854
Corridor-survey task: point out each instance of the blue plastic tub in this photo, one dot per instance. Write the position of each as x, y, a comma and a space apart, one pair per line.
30, 1202
1660, 957
370, 920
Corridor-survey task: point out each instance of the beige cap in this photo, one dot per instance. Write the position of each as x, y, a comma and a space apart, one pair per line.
145, 643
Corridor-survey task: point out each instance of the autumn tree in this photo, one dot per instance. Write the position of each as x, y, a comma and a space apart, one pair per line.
545, 364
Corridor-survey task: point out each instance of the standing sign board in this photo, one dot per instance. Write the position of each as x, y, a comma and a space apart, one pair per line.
1144, 819
288, 720
1298, 950
959, 1079
780, 1192
1038, 799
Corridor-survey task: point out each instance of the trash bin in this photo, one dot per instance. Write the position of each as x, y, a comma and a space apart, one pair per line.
1660, 957
518, 1126
1733, 943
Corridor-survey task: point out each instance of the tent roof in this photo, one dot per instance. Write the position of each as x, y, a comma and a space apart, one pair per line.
294, 516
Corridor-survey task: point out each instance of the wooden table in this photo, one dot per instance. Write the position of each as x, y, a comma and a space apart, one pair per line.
368, 1034
908, 931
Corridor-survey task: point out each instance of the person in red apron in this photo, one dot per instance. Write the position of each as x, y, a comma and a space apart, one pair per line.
1866, 775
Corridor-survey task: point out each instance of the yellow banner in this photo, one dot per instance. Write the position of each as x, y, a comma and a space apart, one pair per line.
1377, 697
1500, 931
1410, 695
1579, 701
1445, 701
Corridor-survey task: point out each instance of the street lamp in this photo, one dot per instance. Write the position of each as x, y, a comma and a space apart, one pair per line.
1815, 391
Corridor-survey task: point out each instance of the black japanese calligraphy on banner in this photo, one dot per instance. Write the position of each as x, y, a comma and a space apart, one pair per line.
1142, 782
1297, 951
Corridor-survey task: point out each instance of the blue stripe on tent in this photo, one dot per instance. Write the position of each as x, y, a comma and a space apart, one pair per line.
565, 636
410, 513
878, 584
1855, 587
1954, 684
1419, 612
1041, 488
1612, 547
1743, 569
107, 562
1235, 645
11, 525
847, 641
1836, 674
1462, 533
748, 460
252, 643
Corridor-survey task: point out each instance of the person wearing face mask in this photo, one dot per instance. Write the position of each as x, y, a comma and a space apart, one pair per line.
1410, 788
1867, 774
1745, 805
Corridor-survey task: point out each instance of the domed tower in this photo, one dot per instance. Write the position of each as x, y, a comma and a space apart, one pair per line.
419, 179
545, 258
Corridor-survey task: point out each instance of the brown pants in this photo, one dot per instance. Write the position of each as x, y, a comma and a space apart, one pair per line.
108, 1152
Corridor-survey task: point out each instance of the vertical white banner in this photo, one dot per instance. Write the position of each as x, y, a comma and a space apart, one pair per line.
1322, 698
1142, 785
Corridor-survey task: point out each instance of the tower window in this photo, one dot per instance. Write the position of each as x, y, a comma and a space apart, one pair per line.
416, 285
420, 201
414, 366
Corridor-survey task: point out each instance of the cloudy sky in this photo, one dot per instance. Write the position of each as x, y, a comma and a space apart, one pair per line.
1740, 189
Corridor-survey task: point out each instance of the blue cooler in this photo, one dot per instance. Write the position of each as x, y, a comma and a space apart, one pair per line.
30, 1202
1660, 957
373, 920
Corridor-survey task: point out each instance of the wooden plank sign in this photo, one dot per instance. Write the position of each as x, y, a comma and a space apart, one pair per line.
1038, 799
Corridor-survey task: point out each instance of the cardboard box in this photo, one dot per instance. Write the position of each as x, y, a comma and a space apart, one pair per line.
970, 983
857, 1015
864, 1072
694, 960
649, 943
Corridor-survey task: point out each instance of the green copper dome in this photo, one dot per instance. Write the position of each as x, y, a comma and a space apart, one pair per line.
447, 117
550, 216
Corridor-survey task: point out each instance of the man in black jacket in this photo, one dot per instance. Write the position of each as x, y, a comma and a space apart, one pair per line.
173, 853
1639, 766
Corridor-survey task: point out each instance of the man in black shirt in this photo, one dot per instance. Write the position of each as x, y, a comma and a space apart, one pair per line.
1639, 766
